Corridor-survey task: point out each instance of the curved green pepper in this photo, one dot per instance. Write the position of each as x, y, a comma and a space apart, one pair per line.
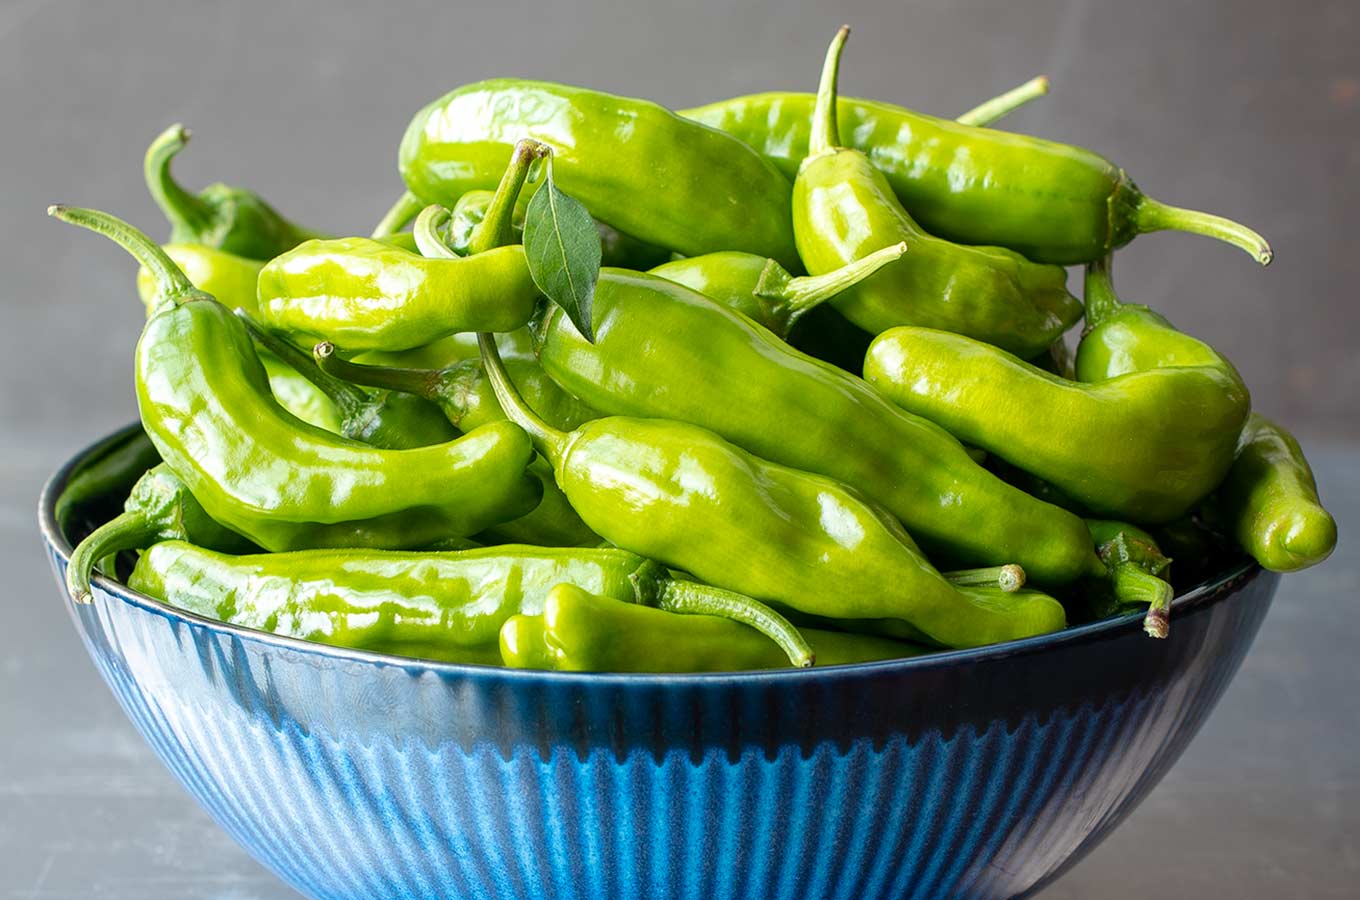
656, 345
583, 632
206, 405
160, 508
1145, 434
231, 219
107, 472
682, 495
442, 606
843, 209
1052, 202
1269, 501
389, 420
706, 190
763, 290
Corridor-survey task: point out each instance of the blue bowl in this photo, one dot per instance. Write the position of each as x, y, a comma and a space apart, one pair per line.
979, 773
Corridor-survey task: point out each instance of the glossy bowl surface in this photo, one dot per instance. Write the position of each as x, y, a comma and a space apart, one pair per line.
981, 773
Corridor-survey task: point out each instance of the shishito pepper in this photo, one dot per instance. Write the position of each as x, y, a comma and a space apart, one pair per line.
844, 209
1052, 202
682, 495
1269, 501
579, 631
442, 606
231, 219
205, 404
1146, 431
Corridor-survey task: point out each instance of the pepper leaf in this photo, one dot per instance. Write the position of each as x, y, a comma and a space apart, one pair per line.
563, 248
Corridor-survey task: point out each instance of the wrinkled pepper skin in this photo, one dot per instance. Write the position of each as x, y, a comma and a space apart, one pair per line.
656, 345
1145, 445
685, 497
205, 404
228, 218
583, 632
442, 606
616, 248
1051, 202
706, 190
844, 209
368, 295
159, 508
231, 279
1269, 501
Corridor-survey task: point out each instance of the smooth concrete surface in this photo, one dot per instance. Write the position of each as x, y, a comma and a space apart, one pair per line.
1248, 108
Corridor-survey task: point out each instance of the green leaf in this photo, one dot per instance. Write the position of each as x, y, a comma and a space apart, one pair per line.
563, 248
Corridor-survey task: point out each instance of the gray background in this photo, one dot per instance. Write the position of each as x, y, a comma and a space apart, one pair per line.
1250, 109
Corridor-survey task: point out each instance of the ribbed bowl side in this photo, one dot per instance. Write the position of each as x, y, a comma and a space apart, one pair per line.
358, 778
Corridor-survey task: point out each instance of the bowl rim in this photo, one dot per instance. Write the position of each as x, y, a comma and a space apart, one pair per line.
1205, 592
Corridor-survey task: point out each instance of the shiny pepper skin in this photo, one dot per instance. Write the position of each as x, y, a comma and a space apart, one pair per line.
704, 189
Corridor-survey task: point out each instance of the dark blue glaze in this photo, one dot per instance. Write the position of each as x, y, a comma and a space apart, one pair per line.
980, 773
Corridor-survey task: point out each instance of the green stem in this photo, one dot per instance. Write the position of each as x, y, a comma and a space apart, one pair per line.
125, 532
395, 219
1010, 578
826, 132
429, 241
1152, 215
185, 211
692, 598
174, 286
1134, 586
997, 108
796, 295
421, 382
1101, 300
497, 227
549, 441
348, 398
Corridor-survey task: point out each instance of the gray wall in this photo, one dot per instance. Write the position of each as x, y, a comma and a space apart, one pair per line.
1251, 109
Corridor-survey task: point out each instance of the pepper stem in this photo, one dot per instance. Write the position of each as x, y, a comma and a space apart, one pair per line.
346, 397
171, 282
1010, 578
1100, 298
497, 226
1134, 586
124, 532
187, 213
421, 382
826, 132
395, 219
997, 108
1152, 215
794, 296
692, 598
549, 441
426, 232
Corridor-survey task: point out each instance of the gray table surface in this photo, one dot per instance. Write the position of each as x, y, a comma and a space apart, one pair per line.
1247, 107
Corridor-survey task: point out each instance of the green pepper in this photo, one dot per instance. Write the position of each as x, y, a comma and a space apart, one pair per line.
1145, 433
160, 508
1052, 202
1269, 500
466, 398
231, 219
108, 471
389, 420
843, 209
705, 190
1139, 575
256, 469
685, 497
657, 345
583, 632
442, 606
763, 290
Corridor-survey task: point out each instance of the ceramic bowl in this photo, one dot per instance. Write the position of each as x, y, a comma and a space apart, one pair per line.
981, 773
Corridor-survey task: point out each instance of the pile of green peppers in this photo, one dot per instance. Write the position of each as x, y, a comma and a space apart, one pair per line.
812, 404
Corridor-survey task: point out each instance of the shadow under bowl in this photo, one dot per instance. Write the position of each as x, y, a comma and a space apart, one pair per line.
980, 773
